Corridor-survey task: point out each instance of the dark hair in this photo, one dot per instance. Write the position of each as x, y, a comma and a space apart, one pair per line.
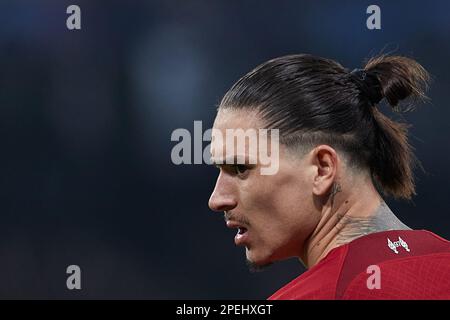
314, 100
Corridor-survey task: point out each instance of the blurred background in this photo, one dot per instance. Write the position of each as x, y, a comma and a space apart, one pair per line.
86, 118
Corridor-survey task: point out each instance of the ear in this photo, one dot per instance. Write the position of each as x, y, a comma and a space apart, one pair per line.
325, 160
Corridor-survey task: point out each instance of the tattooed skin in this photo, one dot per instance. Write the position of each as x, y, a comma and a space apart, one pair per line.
344, 228
336, 188
340, 225
383, 219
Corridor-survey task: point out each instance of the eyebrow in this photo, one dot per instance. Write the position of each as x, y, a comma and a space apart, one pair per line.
230, 160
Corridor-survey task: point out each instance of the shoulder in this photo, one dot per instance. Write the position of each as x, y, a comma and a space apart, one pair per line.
416, 277
397, 264
410, 264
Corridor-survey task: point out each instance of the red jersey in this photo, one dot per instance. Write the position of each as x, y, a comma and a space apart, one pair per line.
396, 264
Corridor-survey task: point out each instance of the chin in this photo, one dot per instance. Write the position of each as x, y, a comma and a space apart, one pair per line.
256, 267
257, 263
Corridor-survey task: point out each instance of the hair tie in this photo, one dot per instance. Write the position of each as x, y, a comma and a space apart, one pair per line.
368, 84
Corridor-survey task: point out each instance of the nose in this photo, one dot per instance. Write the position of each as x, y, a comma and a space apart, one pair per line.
222, 198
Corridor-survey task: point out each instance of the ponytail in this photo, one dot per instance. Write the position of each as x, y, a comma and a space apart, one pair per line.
393, 160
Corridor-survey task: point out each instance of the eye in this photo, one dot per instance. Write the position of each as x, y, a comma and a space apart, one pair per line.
240, 169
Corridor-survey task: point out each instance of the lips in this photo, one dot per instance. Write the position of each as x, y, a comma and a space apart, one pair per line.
242, 232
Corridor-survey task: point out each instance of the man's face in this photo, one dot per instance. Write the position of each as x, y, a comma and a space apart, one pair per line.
274, 214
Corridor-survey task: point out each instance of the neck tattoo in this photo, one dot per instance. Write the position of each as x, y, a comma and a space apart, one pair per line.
383, 219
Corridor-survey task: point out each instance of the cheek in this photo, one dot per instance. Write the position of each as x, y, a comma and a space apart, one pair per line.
288, 197
283, 209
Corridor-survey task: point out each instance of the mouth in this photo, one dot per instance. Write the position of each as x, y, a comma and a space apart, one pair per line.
242, 232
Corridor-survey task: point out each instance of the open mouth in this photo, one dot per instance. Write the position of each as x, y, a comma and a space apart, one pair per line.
241, 236
242, 230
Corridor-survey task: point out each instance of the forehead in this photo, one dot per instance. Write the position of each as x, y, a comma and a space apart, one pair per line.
237, 119
232, 126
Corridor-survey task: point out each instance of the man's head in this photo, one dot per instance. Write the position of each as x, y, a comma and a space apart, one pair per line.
329, 130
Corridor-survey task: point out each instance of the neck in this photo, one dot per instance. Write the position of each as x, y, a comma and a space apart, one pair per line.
346, 217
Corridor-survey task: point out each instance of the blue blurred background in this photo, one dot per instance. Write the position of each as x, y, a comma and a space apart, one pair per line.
86, 118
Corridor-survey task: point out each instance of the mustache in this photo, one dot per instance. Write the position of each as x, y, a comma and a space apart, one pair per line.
228, 216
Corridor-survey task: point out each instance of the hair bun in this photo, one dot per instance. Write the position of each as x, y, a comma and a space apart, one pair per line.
368, 84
